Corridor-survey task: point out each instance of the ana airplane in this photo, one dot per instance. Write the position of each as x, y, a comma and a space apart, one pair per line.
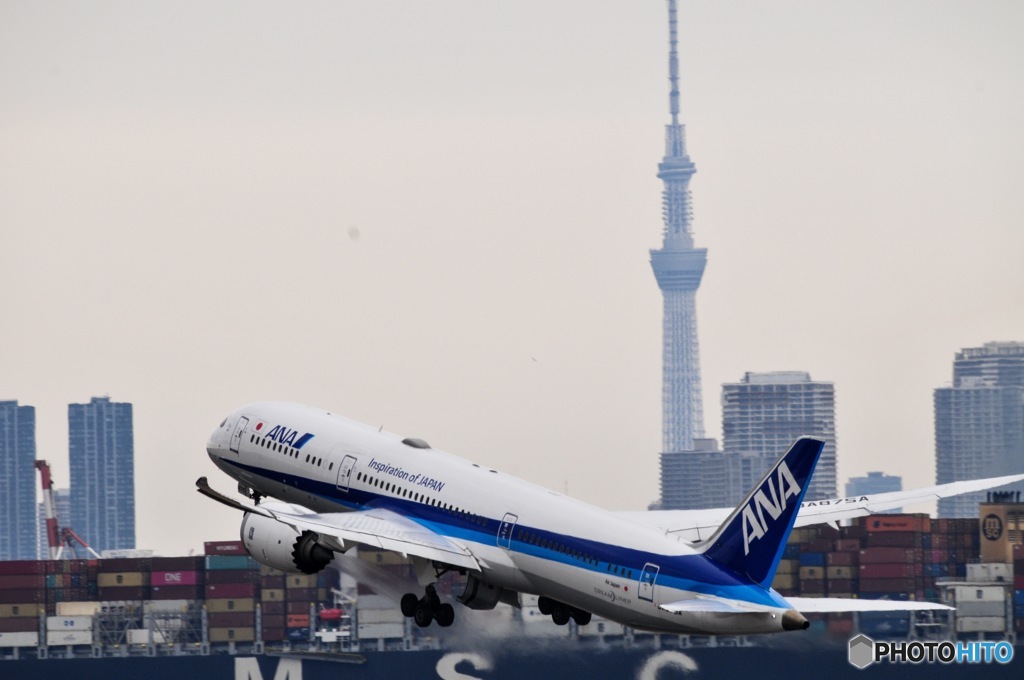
323, 484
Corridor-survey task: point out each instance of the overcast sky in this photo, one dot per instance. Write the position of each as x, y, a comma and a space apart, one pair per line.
436, 217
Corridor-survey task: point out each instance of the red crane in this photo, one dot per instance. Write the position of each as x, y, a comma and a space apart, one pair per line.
56, 537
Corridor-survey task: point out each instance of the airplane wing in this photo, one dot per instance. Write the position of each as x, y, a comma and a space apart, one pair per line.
378, 528
697, 525
810, 605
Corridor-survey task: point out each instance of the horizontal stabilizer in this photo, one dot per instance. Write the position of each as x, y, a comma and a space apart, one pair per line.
810, 605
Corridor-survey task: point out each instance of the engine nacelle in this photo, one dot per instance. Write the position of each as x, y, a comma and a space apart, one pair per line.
282, 547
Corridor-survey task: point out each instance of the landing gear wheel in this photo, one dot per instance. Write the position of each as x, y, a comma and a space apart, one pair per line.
581, 618
445, 615
560, 614
544, 604
423, 614
408, 604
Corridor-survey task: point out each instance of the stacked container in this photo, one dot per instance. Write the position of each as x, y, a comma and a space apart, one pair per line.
22, 599
232, 590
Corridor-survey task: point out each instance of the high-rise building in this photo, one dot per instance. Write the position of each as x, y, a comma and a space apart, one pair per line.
102, 457
872, 483
678, 267
708, 478
979, 421
765, 413
17, 481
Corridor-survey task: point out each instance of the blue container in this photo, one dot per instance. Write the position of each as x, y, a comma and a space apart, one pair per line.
1018, 597
298, 634
792, 551
936, 569
812, 560
222, 562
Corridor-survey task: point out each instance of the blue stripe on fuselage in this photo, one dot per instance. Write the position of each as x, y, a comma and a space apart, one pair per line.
693, 573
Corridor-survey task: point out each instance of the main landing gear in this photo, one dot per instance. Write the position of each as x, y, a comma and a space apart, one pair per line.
561, 613
428, 608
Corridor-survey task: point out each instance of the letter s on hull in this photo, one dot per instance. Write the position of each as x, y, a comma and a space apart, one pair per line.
280, 546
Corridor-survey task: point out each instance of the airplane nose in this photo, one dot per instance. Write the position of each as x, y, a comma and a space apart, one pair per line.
218, 438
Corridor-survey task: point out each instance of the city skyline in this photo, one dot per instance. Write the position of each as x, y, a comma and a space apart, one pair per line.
437, 220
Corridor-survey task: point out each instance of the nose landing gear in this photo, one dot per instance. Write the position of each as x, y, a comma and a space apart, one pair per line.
428, 608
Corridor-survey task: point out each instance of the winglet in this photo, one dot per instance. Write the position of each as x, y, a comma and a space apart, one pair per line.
750, 542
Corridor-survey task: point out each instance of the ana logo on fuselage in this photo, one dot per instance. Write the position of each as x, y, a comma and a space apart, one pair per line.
754, 523
283, 435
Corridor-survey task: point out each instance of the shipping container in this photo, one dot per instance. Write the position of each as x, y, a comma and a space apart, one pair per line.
782, 581
219, 576
272, 594
175, 578
898, 570
275, 582
839, 587
297, 634
123, 564
68, 637
788, 567
904, 523
294, 581
846, 545
383, 616
19, 624
224, 548
813, 587
842, 559
233, 590
978, 593
55, 623
232, 634
274, 620
19, 639
990, 571
133, 579
840, 572
19, 609
890, 556
22, 596
141, 636
376, 631
16, 567
275, 607
303, 594
888, 586
274, 634
812, 559
980, 624
23, 581
78, 608
194, 563
982, 608
297, 621
231, 619
177, 592
127, 593
894, 539
297, 607
229, 562
811, 573
245, 604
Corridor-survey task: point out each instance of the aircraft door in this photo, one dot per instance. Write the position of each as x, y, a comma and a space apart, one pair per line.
236, 436
345, 472
505, 529
647, 578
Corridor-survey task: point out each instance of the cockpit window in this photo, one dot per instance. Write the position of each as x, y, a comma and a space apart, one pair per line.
224, 422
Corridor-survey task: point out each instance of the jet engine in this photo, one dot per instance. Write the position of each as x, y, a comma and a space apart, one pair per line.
280, 546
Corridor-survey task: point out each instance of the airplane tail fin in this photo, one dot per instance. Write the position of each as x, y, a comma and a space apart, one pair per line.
750, 542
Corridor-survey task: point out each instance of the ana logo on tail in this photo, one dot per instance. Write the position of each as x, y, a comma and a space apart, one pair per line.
754, 523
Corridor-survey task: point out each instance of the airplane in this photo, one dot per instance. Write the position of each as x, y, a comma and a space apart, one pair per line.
322, 484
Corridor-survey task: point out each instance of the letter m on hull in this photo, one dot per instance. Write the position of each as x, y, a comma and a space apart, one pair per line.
750, 542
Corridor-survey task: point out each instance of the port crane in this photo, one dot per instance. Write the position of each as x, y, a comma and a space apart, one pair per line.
58, 537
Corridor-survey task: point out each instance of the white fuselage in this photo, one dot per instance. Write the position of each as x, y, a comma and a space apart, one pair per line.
526, 538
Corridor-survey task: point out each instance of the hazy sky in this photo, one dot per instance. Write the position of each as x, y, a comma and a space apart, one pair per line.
436, 217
